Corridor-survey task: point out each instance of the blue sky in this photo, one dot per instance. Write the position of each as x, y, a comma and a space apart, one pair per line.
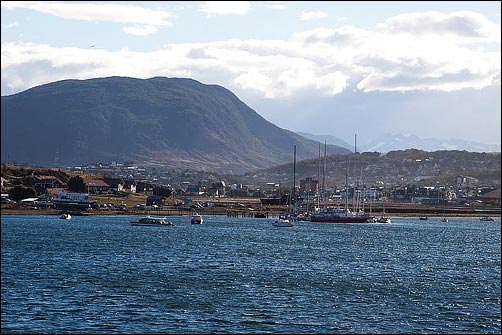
430, 68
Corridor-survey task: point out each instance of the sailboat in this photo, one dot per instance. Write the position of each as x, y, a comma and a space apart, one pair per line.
337, 215
444, 219
284, 220
384, 218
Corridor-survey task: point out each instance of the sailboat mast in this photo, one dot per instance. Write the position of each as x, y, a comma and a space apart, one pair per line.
318, 176
324, 177
294, 172
346, 184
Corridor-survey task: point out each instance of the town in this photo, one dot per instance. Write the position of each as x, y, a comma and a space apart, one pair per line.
129, 187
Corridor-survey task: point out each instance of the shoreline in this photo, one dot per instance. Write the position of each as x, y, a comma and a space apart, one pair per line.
273, 214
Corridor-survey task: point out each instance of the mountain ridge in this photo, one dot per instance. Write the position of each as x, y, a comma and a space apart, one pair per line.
330, 139
177, 122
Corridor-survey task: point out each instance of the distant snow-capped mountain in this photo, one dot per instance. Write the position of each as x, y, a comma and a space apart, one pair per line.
391, 142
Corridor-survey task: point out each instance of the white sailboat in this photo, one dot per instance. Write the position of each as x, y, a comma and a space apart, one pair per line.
284, 220
384, 218
338, 215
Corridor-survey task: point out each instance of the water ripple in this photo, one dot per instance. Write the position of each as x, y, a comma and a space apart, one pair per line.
238, 275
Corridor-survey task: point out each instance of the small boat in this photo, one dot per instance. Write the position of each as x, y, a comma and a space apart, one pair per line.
384, 219
486, 218
196, 219
444, 220
423, 218
152, 221
65, 216
282, 222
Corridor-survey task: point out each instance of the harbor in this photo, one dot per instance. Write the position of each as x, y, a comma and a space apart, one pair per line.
395, 210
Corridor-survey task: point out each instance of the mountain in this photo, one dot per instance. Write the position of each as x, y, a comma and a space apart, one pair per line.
174, 122
391, 142
328, 138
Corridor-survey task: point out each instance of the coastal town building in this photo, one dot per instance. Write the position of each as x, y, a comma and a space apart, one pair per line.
308, 186
48, 182
97, 186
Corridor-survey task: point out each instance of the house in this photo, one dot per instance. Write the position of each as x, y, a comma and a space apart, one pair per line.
97, 186
492, 197
127, 186
194, 189
146, 188
46, 182
119, 185
219, 188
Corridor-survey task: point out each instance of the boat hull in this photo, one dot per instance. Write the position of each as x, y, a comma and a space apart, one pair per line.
150, 224
339, 219
282, 223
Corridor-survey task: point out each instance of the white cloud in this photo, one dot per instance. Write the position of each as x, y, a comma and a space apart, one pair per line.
141, 30
96, 12
312, 15
464, 26
253, 79
323, 60
225, 7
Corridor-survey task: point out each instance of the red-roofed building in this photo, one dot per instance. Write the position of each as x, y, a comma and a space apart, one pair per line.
97, 186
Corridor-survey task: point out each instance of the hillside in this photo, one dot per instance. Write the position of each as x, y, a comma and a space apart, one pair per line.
329, 140
169, 122
394, 168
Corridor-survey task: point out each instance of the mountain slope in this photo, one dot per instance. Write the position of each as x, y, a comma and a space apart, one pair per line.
328, 138
175, 122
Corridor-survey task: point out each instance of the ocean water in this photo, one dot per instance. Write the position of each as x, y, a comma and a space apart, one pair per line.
242, 275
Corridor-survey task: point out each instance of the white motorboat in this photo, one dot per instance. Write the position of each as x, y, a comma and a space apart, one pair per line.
282, 222
384, 219
196, 219
152, 221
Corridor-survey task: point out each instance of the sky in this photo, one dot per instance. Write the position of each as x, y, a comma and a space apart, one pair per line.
428, 68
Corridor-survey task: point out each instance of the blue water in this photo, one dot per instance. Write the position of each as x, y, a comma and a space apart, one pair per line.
242, 275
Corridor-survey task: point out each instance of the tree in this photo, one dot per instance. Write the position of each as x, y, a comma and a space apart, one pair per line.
164, 192
76, 184
21, 192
